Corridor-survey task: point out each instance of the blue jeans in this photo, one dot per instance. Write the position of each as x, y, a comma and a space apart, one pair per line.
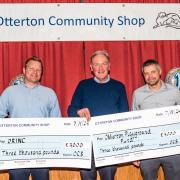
23, 174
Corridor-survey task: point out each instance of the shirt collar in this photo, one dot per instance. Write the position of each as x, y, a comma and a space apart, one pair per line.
163, 86
23, 84
107, 80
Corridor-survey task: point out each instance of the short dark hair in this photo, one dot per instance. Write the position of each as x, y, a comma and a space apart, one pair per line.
150, 62
100, 52
33, 58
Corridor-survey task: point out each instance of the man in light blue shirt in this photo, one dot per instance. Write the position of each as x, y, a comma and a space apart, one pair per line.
29, 99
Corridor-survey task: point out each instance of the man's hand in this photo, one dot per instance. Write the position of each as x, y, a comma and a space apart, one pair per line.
136, 163
84, 113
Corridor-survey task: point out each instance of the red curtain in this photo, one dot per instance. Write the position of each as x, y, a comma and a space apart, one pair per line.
128, 56
131, 1
63, 65
66, 63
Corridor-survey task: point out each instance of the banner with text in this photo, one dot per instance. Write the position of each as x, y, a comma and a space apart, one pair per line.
89, 21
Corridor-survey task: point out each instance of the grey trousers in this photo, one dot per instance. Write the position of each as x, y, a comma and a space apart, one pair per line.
106, 173
170, 164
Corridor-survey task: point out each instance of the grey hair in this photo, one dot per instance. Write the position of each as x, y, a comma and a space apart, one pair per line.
100, 52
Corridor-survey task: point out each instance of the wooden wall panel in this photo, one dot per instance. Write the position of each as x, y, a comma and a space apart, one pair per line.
123, 173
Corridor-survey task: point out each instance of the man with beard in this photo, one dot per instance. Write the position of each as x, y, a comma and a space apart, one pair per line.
155, 94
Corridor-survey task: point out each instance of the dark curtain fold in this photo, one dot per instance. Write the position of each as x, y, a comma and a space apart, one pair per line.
66, 63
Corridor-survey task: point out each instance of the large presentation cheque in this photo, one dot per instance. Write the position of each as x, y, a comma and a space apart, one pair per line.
136, 135
44, 142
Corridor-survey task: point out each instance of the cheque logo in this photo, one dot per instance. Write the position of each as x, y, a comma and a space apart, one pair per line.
167, 20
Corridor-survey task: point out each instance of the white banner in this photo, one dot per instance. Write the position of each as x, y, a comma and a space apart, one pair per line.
89, 22
136, 135
44, 142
